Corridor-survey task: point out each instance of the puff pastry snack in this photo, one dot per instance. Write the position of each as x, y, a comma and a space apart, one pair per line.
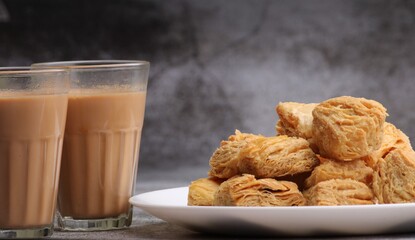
202, 191
278, 156
295, 119
334, 169
339, 192
347, 128
224, 161
393, 138
247, 191
337, 152
264, 157
394, 179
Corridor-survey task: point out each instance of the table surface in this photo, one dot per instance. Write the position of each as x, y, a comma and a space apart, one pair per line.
145, 226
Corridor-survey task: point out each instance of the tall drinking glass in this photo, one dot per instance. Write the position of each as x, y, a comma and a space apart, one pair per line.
33, 106
101, 145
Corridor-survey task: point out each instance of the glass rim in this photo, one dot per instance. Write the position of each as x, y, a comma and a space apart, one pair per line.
27, 71
92, 64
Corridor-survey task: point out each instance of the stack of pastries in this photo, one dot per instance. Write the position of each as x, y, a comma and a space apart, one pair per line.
338, 152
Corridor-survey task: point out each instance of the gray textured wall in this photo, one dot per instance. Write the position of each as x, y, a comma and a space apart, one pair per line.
218, 65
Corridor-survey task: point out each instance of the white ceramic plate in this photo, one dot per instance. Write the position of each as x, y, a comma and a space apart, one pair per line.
171, 206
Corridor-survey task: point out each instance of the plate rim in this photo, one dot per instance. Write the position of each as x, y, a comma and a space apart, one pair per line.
285, 220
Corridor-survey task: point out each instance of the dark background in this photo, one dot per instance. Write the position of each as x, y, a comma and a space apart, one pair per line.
219, 65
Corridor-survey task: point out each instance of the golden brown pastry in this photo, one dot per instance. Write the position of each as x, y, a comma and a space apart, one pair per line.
262, 156
247, 191
334, 169
224, 161
347, 128
339, 192
202, 191
296, 119
393, 138
394, 178
272, 157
